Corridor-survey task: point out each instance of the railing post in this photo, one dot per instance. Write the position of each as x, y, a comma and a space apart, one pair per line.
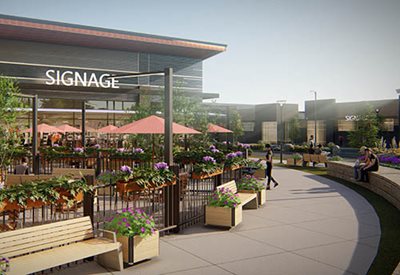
98, 164
88, 201
176, 192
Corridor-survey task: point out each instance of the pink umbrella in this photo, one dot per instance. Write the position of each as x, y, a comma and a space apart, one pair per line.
109, 129
212, 128
66, 128
153, 125
43, 128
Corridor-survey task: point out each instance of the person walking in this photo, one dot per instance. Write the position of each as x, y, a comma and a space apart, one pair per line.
268, 171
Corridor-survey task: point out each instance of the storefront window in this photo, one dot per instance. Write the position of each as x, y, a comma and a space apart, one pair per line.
321, 130
346, 125
269, 131
388, 125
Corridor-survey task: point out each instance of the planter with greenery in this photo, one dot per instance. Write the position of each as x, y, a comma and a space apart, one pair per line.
249, 184
207, 168
223, 209
234, 161
294, 159
137, 233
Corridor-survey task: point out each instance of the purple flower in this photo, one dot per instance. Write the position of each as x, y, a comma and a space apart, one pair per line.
231, 155
55, 145
142, 229
212, 147
121, 150
126, 169
239, 154
124, 220
152, 231
161, 166
224, 142
78, 150
138, 150
215, 150
127, 225
148, 221
209, 159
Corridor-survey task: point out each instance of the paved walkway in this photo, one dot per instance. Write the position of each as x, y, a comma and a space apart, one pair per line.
310, 225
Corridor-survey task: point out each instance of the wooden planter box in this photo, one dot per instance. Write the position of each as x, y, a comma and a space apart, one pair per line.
262, 195
232, 168
260, 174
205, 175
136, 249
9, 206
293, 162
125, 187
223, 216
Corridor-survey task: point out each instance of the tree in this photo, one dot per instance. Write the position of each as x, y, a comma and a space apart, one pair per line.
366, 130
10, 104
236, 125
294, 129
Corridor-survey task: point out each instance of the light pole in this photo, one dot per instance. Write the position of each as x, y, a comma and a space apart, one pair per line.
398, 118
282, 137
315, 117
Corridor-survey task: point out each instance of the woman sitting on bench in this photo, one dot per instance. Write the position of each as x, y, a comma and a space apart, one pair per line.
373, 165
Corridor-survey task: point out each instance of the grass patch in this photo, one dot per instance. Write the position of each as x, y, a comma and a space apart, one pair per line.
388, 256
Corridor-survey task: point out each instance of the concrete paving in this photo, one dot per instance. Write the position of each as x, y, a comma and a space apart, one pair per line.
310, 225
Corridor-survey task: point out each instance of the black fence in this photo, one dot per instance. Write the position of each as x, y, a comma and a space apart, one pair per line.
173, 207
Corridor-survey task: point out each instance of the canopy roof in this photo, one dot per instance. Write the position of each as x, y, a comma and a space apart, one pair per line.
109, 129
153, 125
66, 128
213, 128
43, 128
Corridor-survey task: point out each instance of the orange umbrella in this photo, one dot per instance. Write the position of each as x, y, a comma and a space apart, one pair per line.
66, 128
153, 125
109, 129
212, 128
43, 128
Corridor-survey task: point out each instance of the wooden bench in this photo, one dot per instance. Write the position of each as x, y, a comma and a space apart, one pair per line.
307, 158
248, 200
19, 179
42, 247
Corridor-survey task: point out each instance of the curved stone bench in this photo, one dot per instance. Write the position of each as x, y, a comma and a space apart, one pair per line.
385, 182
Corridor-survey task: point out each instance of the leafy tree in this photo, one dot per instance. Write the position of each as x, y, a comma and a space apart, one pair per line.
294, 129
9, 105
236, 124
366, 129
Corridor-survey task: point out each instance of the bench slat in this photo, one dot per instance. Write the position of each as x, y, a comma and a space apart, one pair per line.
246, 197
60, 255
231, 185
37, 239
53, 244
40, 228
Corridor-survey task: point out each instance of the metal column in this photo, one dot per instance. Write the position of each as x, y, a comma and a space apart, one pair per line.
36, 160
168, 82
83, 123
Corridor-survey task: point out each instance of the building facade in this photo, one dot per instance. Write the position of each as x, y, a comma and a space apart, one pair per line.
66, 64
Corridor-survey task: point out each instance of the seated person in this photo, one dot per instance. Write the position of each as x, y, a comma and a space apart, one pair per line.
373, 165
23, 168
318, 150
360, 163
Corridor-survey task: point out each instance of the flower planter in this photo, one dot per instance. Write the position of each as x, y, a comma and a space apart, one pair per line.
125, 187
136, 249
9, 206
262, 195
202, 176
232, 167
293, 162
223, 216
34, 204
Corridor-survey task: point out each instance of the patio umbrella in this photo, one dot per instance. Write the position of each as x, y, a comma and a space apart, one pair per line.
43, 128
212, 128
153, 125
66, 128
109, 129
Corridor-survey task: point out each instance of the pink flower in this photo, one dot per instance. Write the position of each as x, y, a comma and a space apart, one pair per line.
142, 229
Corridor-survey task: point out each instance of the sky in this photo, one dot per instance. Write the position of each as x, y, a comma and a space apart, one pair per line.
277, 49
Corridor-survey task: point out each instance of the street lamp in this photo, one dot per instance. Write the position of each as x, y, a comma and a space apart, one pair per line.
315, 117
398, 118
282, 135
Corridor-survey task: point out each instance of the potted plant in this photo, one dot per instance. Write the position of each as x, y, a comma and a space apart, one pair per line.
223, 209
207, 168
233, 161
294, 159
4, 265
162, 176
137, 233
249, 184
